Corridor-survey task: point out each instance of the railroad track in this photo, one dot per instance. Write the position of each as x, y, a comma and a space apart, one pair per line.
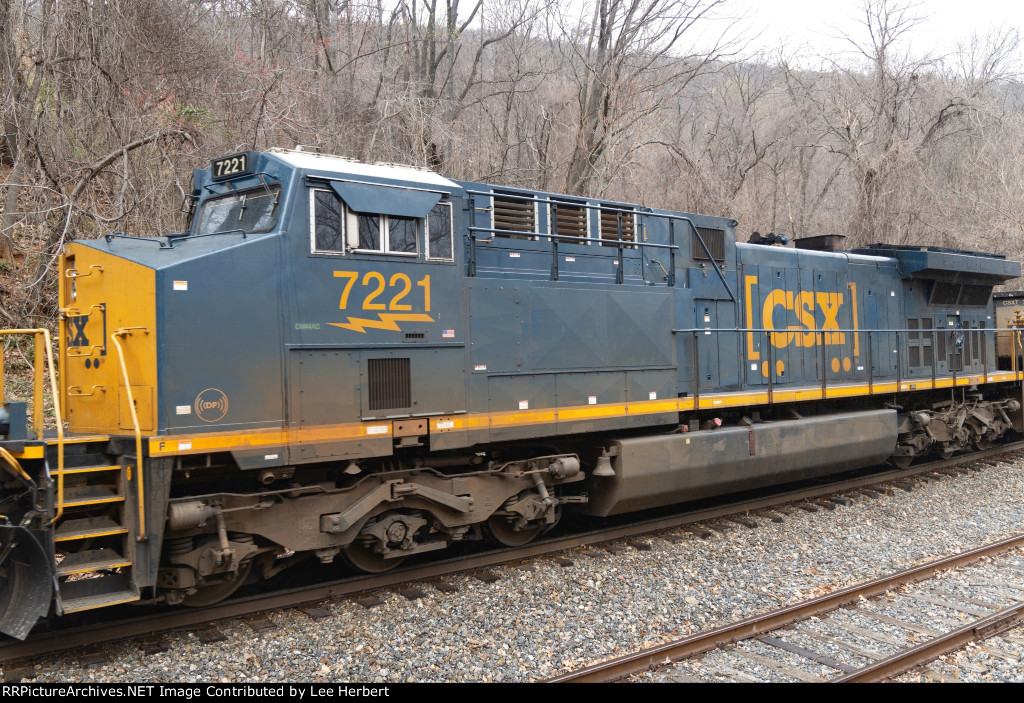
809, 498
773, 629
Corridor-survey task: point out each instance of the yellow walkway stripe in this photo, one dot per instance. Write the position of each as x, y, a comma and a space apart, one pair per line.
277, 437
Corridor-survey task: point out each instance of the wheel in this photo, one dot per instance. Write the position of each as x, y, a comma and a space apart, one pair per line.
218, 590
362, 556
901, 461
501, 529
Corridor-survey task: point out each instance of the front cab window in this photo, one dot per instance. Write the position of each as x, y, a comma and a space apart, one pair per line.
249, 211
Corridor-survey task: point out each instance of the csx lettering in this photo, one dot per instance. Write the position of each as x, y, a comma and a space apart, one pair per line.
380, 293
803, 305
77, 328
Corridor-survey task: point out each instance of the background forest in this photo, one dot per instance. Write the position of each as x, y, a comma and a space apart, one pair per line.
106, 107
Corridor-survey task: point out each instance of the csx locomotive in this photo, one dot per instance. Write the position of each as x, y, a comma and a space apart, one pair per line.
372, 361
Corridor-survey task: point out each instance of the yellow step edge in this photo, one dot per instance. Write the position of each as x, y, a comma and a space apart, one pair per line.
37, 452
90, 570
87, 535
121, 601
79, 439
94, 501
85, 470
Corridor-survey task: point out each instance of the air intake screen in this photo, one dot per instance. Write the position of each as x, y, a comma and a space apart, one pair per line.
975, 295
715, 239
944, 293
571, 219
513, 214
610, 226
390, 386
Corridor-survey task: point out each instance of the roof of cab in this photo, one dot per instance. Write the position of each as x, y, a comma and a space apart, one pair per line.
323, 162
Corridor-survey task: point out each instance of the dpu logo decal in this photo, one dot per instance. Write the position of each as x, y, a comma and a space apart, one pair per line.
372, 286
211, 405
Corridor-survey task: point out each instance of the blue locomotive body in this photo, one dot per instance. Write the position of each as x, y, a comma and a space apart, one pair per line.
375, 361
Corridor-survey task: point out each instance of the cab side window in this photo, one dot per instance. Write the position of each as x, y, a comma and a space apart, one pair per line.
335, 228
328, 222
368, 227
439, 233
402, 234
386, 234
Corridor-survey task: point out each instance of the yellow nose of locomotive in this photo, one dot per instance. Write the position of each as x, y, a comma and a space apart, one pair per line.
107, 302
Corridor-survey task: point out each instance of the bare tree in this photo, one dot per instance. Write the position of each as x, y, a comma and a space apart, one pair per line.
884, 115
633, 57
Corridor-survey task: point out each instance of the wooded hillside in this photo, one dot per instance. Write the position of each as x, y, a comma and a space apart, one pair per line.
106, 107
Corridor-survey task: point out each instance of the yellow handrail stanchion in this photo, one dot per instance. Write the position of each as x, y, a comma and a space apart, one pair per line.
60, 425
124, 332
13, 463
43, 344
37, 384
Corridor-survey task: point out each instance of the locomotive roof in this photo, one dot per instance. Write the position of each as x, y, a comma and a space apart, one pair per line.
941, 263
323, 162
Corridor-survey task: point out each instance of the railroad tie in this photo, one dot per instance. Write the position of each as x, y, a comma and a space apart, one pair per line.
808, 654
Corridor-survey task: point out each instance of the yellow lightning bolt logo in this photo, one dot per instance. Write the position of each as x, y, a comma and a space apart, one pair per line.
386, 321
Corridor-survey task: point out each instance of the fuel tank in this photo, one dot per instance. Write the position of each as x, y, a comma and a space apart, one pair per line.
660, 470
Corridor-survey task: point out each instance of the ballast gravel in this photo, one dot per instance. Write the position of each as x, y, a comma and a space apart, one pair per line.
537, 622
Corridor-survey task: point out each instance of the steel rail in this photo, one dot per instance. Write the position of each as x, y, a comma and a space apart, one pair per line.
904, 661
98, 633
748, 628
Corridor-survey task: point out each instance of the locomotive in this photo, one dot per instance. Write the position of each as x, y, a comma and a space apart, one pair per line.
1009, 307
339, 360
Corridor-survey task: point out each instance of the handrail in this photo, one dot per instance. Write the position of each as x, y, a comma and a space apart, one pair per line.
91, 392
83, 354
140, 482
73, 273
959, 377
42, 341
628, 243
13, 463
77, 312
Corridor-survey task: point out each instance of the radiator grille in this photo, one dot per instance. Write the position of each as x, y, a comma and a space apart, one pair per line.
944, 293
390, 385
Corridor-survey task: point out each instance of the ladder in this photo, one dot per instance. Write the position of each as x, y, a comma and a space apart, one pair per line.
93, 541
93, 546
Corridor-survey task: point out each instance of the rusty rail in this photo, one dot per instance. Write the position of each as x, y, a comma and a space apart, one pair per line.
110, 631
638, 662
904, 661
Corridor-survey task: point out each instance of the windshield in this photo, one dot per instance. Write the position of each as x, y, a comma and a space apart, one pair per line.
249, 211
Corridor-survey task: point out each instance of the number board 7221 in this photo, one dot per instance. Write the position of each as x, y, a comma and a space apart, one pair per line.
230, 166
